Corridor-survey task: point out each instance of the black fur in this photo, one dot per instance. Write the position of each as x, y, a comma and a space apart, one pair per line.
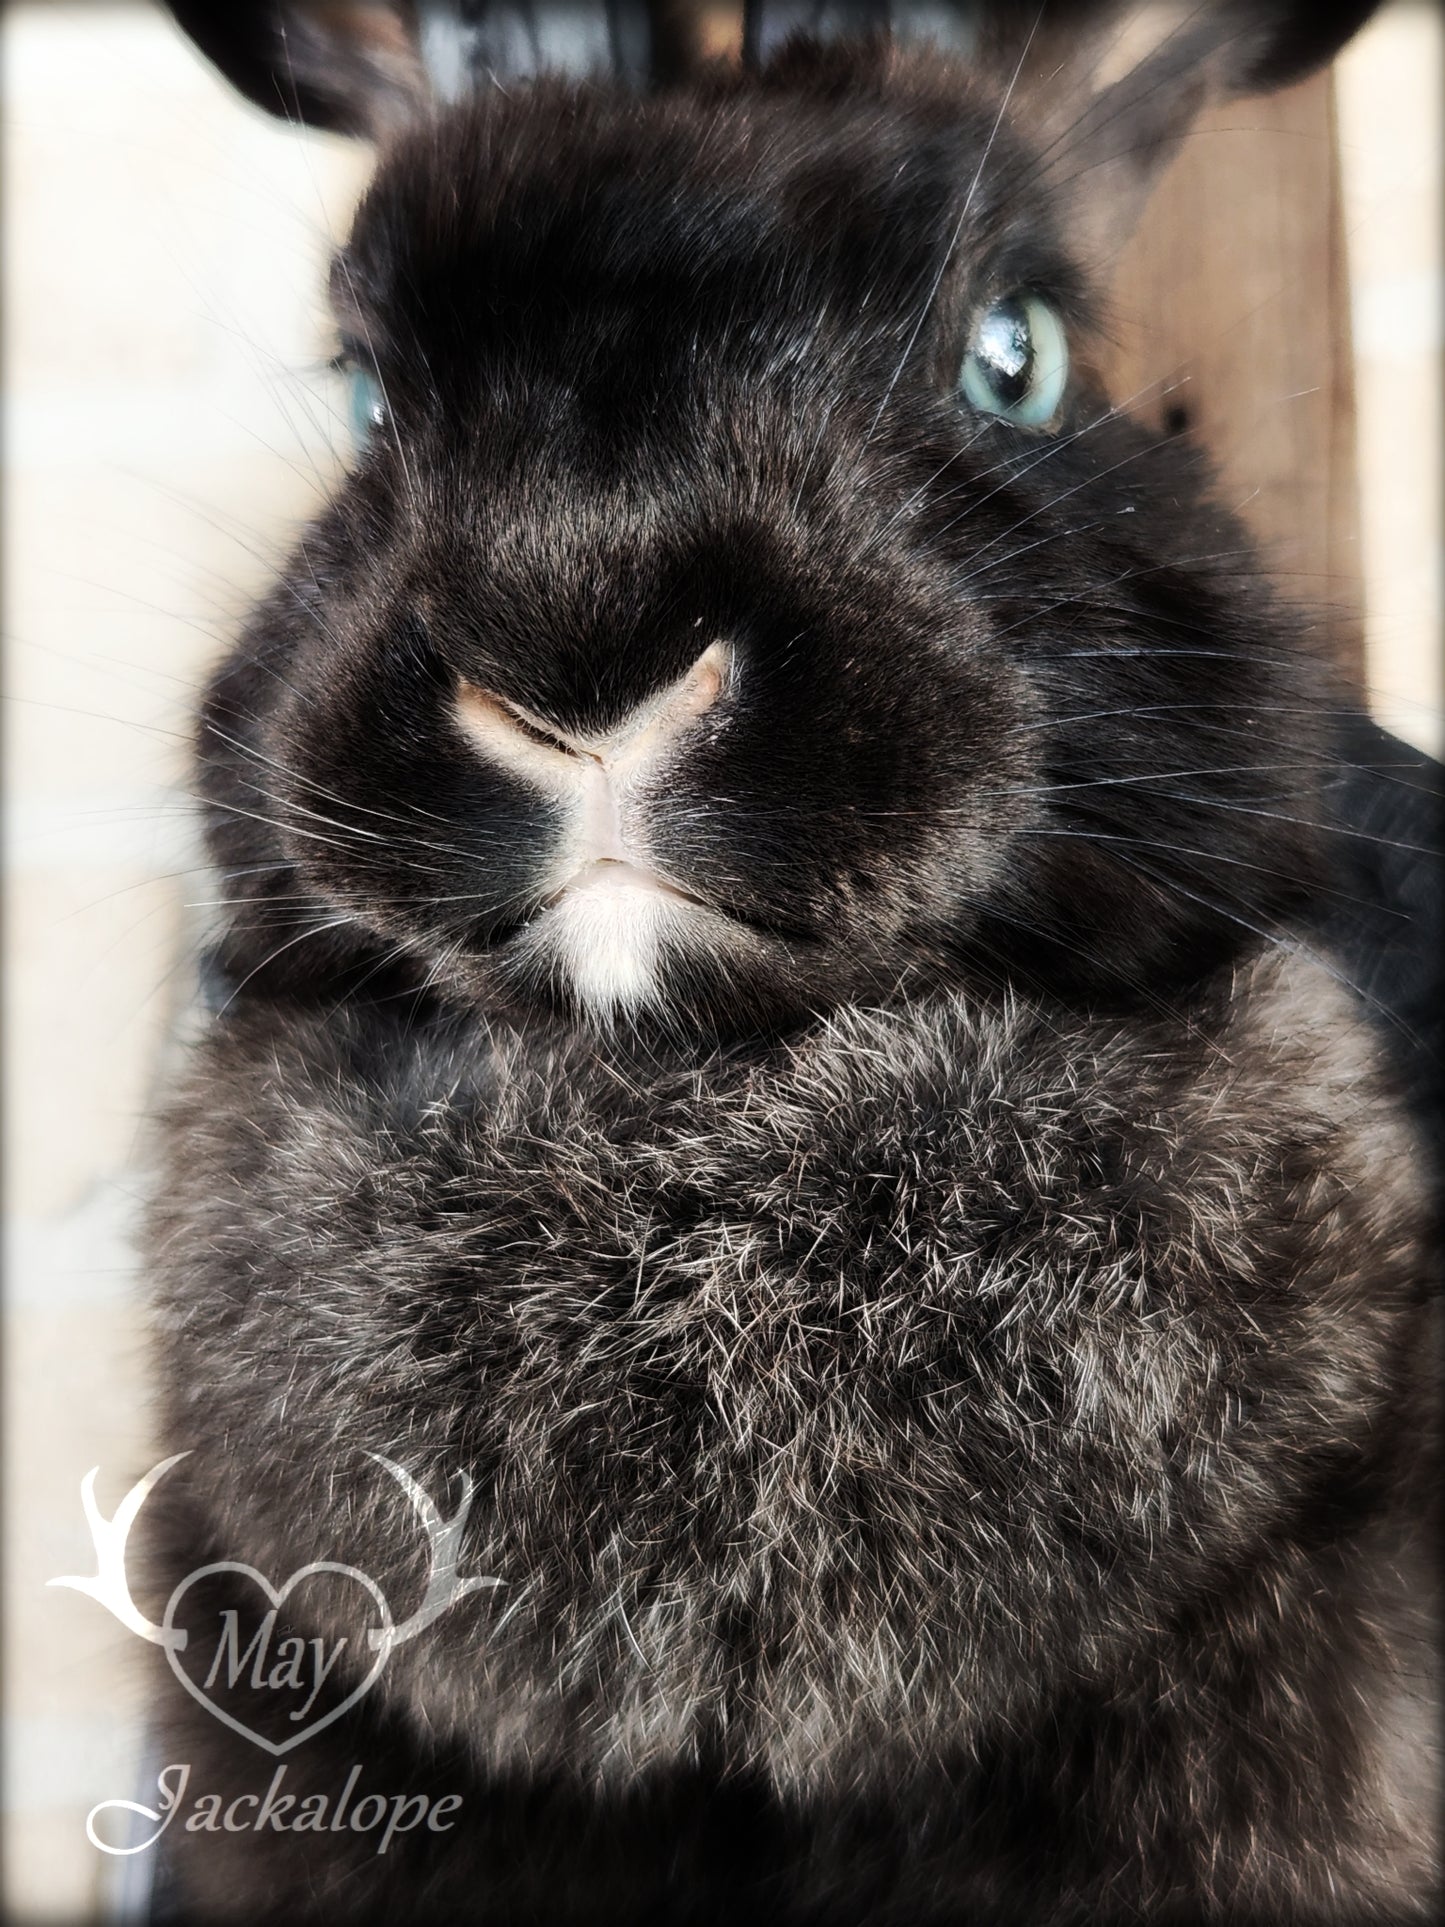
635, 359
943, 1367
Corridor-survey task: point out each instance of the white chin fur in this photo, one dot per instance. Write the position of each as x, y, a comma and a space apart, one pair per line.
605, 939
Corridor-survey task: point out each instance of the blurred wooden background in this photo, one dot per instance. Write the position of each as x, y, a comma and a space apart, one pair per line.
1233, 306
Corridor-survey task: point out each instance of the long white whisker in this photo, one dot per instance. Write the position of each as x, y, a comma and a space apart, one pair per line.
957, 234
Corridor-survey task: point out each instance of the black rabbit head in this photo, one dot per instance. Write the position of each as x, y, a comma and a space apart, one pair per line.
746, 596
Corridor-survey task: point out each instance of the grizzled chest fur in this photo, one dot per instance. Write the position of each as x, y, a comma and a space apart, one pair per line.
813, 1398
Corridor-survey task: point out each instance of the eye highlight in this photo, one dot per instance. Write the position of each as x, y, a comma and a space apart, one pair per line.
1017, 361
365, 403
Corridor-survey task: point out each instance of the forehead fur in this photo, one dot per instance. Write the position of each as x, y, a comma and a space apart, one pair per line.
844, 173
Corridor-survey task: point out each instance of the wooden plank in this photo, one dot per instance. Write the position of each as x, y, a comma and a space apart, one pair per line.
1231, 313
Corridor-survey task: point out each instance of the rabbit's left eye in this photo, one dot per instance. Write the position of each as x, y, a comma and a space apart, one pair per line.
366, 403
1017, 362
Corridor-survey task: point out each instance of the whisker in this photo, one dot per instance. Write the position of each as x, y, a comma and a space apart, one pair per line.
957, 233
315, 930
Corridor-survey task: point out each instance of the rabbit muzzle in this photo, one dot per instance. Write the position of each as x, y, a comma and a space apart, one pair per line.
606, 910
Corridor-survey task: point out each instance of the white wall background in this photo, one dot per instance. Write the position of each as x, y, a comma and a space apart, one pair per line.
167, 425
1388, 90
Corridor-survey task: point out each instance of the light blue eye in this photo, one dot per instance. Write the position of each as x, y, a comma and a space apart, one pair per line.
366, 404
1017, 363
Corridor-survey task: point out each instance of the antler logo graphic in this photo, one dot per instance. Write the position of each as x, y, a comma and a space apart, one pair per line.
295, 1663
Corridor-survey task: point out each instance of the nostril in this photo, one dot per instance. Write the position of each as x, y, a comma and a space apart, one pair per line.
661, 722
535, 734
706, 680
505, 732
509, 733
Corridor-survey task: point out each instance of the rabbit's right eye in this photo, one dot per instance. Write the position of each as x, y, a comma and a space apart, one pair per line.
1017, 363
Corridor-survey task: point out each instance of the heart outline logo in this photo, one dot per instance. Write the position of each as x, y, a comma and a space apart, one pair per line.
175, 1639
110, 1586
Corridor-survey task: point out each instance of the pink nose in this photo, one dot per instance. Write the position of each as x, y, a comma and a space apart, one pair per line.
539, 751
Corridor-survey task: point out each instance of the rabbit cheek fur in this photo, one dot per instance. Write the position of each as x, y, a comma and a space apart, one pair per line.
887, 1385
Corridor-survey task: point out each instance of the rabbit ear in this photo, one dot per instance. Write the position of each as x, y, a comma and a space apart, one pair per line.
1108, 88
367, 66
1248, 46
1111, 87
1260, 44
350, 65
